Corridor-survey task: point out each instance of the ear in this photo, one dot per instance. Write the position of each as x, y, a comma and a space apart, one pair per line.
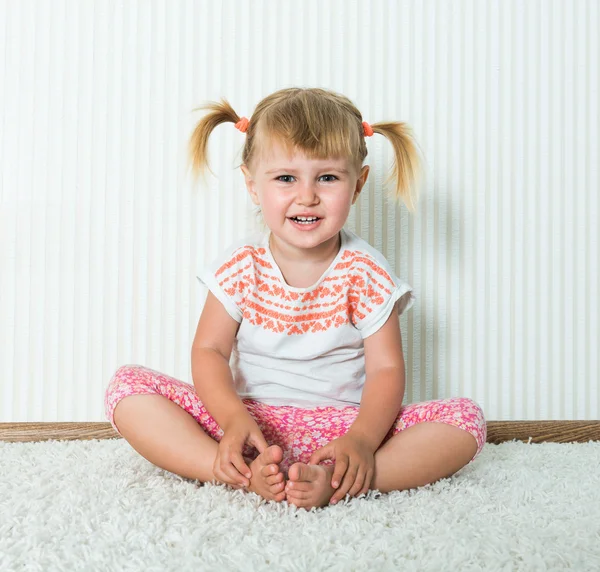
360, 183
250, 184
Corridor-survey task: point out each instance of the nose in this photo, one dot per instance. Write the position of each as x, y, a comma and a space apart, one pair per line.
307, 194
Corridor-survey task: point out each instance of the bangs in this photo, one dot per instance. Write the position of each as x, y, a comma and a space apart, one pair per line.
320, 129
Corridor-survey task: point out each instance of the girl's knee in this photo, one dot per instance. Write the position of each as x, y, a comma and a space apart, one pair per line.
121, 376
126, 371
472, 403
476, 413
473, 421
463, 413
127, 380
126, 374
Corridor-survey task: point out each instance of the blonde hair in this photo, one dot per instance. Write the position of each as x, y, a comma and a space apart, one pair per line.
320, 123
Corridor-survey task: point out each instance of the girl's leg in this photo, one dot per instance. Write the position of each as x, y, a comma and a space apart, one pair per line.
429, 441
167, 436
163, 419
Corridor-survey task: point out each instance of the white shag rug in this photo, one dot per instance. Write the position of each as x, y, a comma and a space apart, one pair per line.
99, 506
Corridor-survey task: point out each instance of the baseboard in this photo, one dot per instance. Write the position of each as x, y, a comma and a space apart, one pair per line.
498, 431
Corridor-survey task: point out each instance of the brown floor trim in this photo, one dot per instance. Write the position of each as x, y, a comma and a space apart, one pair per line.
24, 432
544, 431
498, 431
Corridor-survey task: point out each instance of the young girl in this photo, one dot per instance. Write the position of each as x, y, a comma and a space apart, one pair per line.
297, 360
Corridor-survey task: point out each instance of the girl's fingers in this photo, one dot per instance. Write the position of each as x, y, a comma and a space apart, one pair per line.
238, 462
341, 465
347, 482
367, 483
231, 472
320, 455
258, 440
226, 474
223, 476
358, 483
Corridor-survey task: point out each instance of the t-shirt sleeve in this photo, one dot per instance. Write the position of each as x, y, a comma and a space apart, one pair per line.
229, 278
374, 292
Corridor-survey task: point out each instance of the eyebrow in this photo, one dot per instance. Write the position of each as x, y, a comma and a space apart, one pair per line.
337, 169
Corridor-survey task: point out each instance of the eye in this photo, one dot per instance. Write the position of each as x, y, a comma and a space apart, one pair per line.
333, 178
285, 178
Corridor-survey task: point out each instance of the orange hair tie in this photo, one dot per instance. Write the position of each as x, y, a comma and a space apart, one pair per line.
367, 129
242, 124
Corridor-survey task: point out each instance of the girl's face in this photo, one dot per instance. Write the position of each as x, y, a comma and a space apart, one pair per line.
289, 186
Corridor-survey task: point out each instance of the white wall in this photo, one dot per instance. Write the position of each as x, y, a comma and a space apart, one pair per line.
102, 231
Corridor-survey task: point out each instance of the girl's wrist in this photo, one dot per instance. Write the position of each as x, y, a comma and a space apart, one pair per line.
235, 415
365, 439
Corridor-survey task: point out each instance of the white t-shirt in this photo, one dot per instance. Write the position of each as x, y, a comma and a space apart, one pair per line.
304, 346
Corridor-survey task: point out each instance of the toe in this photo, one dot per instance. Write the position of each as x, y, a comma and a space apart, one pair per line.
298, 500
300, 472
297, 495
276, 488
299, 486
269, 470
274, 479
272, 454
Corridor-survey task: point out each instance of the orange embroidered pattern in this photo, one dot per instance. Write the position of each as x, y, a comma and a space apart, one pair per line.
354, 287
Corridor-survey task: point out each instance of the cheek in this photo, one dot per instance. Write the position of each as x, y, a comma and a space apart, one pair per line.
273, 203
340, 204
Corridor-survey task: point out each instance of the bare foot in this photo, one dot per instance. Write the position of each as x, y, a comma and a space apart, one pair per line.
267, 480
309, 485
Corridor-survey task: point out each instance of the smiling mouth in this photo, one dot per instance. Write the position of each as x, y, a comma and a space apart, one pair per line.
305, 220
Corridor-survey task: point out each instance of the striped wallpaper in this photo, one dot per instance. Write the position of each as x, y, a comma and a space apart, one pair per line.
102, 230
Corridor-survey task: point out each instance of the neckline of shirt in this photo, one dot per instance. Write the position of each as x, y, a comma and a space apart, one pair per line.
266, 246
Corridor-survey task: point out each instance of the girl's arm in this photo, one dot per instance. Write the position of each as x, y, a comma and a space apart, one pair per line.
384, 385
211, 373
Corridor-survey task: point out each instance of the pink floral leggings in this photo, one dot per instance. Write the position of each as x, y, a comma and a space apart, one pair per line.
297, 431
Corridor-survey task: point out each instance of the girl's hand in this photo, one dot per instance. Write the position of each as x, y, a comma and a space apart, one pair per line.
229, 466
354, 461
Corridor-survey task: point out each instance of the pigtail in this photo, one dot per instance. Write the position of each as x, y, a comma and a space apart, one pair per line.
220, 112
407, 169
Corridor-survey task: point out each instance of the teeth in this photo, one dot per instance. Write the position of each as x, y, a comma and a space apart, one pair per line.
304, 218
